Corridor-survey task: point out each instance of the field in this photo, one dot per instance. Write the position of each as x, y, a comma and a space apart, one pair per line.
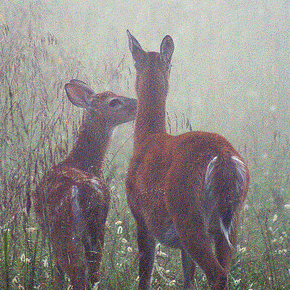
230, 75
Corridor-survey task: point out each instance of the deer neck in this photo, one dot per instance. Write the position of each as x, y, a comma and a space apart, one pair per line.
89, 151
151, 108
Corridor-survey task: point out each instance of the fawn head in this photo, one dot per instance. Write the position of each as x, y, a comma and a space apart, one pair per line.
152, 68
111, 108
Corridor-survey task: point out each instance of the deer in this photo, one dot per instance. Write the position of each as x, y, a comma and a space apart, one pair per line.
72, 200
184, 191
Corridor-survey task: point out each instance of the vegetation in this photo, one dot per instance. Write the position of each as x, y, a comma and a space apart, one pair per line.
230, 75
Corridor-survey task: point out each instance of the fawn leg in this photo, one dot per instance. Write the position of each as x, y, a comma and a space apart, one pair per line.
188, 266
94, 253
58, 278
69, 259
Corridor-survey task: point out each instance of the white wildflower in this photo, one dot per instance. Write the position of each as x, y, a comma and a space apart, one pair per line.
237, 281
282, 252
96, 285
15, 281
159, 268
24, 259
241, 249
120, 230
159, 253
45, 262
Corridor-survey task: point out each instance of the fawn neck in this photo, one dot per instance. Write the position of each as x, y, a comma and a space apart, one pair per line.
90, 148
151, 89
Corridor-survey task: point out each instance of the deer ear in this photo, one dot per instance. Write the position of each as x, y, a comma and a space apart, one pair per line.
79, 93
83, 85
166, 49
135, 47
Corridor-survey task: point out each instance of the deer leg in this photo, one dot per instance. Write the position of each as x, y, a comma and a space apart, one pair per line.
189, 222
188, 266
94, 253
202, 253
94, 257
146, 246
58, 278
69, 259
223, 250
198, 246
94, 240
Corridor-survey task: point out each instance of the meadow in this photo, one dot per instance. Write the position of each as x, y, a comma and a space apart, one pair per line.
230, 75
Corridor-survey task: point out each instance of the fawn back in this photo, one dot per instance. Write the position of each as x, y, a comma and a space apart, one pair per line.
183, 190
72, 199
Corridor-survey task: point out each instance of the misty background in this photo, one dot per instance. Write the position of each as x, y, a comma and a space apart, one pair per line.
230, 70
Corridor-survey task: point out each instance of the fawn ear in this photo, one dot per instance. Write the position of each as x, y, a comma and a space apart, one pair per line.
79, 93
166, 49
135, 47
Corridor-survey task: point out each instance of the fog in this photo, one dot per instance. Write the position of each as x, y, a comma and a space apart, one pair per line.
230, 66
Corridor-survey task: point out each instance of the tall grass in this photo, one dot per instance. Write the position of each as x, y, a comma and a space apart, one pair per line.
38, 126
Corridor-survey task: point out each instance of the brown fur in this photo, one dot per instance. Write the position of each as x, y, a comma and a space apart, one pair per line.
167, 189
72, 200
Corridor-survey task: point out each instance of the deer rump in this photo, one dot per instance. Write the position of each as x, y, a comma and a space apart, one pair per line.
182, 178
77, 202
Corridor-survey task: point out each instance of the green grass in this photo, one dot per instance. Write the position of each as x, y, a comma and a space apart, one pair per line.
37, 129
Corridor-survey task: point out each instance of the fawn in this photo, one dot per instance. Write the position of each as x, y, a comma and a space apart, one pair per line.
72, 199
183, 191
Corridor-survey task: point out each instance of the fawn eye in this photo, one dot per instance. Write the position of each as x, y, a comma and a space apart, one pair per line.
114, 103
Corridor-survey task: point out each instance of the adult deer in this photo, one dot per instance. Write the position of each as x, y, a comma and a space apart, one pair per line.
72, 200
183, 190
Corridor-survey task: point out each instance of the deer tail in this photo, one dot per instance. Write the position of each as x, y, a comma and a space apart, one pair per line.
79, 221
226, 182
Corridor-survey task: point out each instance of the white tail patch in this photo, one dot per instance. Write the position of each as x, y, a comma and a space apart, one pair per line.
241, 171
75, 199
211, 204
79, 224
208, 174
226, 233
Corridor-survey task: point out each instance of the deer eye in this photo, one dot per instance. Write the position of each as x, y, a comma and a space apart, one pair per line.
114, 103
